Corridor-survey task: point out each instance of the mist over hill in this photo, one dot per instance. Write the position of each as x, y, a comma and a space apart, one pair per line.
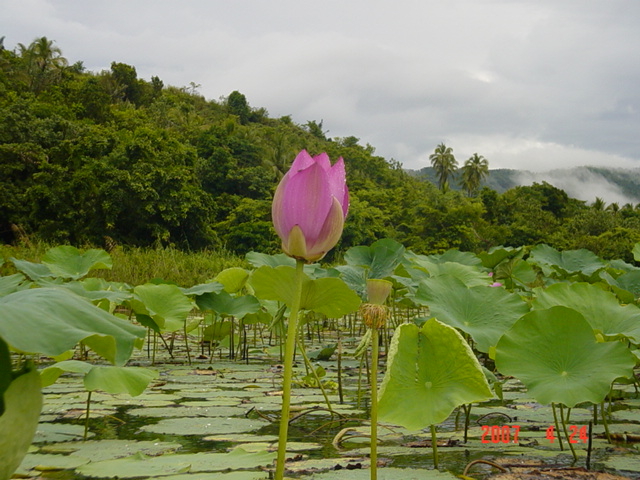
617, 185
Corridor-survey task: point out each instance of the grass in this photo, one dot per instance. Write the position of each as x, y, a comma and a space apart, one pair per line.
136, 266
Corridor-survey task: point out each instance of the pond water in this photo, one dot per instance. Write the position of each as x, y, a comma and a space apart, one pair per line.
219, 419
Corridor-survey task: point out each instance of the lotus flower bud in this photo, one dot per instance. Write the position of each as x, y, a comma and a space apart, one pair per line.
375, 313
378, 290
310, 205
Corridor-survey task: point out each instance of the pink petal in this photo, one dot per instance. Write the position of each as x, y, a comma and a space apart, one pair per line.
329, 235
302, 161
338, 184
323, 160
277, 213
306, 201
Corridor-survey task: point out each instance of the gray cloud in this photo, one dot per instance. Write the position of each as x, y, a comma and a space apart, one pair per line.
525, 83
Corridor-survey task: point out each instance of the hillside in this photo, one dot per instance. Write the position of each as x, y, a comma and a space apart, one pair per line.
584, 183
109, 159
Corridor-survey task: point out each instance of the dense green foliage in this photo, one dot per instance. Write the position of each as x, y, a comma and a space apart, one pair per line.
106, 158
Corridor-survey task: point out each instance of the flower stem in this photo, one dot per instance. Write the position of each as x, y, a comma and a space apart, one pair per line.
374, 402
555, 419
566, 433
86, 420
288, 370
313, 372
434, 446
604, 422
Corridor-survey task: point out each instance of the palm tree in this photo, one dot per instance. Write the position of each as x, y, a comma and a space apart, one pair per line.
445, 165
613, 208
44, 61
475, 169
599, 204
280, 153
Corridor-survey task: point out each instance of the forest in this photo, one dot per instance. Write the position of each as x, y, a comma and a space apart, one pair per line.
109, 159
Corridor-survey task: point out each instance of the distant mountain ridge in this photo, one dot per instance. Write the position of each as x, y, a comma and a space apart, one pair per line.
620, 185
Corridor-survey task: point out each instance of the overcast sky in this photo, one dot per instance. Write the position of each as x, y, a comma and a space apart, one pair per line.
529, 84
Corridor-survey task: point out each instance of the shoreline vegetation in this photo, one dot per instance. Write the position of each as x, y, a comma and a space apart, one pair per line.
139, 265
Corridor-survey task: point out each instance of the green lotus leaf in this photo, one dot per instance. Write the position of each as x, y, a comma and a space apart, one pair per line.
242, 475
53, 320
330, 296
114, 380
96, 289
355, 277
483, 312
6, 372
23, 402
131, 380
628, 282
233, 279
209, 287
389, 473
11, 283
207, 426
108, 449
49, 462
600, 308
140, 465
35, 271
225, 304
67, 261
258, 260
471, 276
555, 354
380, 258
431, 371
568, 262
217, 331
261, 316
516, 273
456, 256
495, 255
49, 375
165, 304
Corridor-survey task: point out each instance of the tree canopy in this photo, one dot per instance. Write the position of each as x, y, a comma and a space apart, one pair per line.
103, 158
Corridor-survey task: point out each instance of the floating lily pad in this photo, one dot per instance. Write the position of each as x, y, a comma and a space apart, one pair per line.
98, 450
198, 426
140, 465
239, 438
627, 415
60, 408
217, 401
273, 446
324, 464
58, 432
385, 474
42, 462
627, 463
186, 411
221, 476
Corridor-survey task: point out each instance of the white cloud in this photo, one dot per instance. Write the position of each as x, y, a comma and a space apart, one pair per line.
580, 183
527, 83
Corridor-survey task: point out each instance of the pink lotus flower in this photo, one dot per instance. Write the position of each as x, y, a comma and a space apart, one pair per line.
310, 205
